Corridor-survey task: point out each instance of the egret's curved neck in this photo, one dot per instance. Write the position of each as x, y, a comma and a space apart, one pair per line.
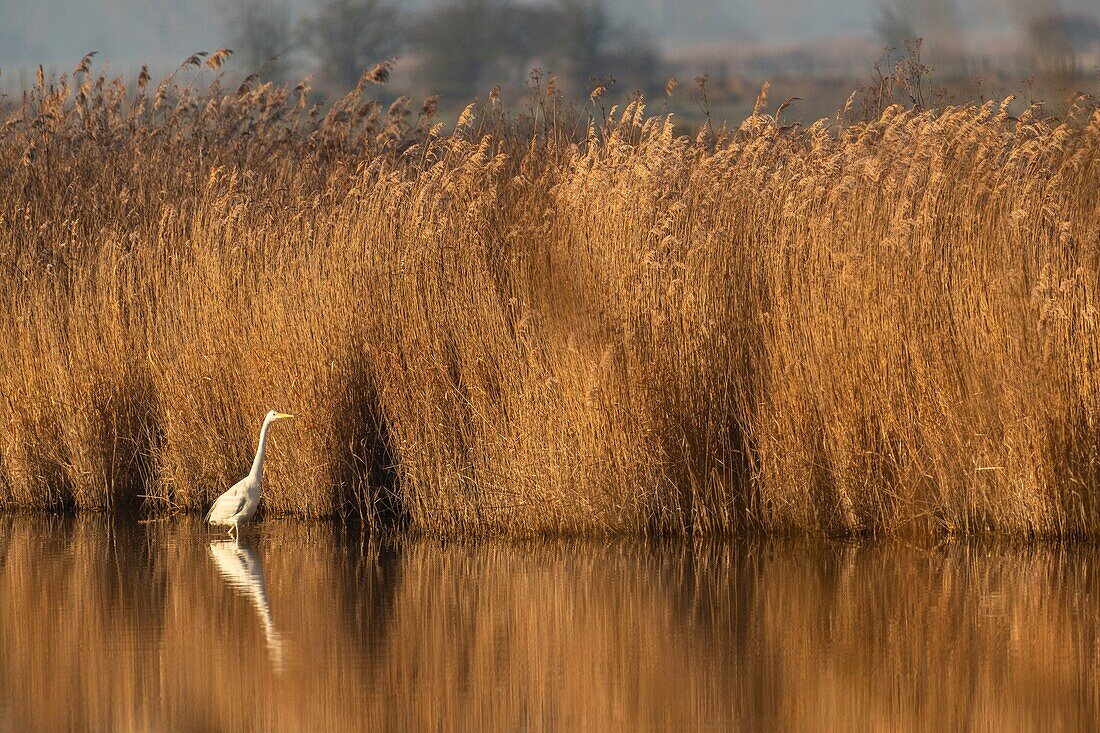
258, 463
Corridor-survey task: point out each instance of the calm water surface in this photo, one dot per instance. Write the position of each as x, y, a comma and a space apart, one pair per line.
108, 624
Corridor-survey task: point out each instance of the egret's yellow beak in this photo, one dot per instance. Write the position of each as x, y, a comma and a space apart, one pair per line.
281, 415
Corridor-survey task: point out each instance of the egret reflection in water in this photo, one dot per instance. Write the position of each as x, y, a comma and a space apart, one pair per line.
244, 572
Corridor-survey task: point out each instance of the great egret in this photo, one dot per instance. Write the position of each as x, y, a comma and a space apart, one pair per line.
239, 503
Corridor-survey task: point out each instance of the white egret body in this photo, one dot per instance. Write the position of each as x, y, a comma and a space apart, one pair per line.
239, 503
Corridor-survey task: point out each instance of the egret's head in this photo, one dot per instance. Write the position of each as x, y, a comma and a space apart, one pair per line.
274, 415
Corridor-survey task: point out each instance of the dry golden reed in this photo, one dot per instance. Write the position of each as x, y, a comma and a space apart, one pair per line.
863, 325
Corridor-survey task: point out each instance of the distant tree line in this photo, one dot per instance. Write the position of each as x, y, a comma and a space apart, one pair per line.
458, 47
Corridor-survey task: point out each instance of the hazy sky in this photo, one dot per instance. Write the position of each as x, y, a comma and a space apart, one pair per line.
163, 32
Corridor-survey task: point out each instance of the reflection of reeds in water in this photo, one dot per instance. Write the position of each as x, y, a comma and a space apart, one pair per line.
131, 629
244, 572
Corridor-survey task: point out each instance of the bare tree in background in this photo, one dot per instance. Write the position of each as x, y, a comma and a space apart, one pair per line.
467, 46
462, 43
347, 37
894, 27
635, 59
1058, 38
261, 36
581, 36
587, 45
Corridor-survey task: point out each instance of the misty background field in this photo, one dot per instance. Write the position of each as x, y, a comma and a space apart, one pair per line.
461, 49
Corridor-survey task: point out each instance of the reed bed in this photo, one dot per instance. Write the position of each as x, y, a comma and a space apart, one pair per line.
517, 325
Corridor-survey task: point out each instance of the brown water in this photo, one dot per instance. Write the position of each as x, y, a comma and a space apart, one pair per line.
111, 625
